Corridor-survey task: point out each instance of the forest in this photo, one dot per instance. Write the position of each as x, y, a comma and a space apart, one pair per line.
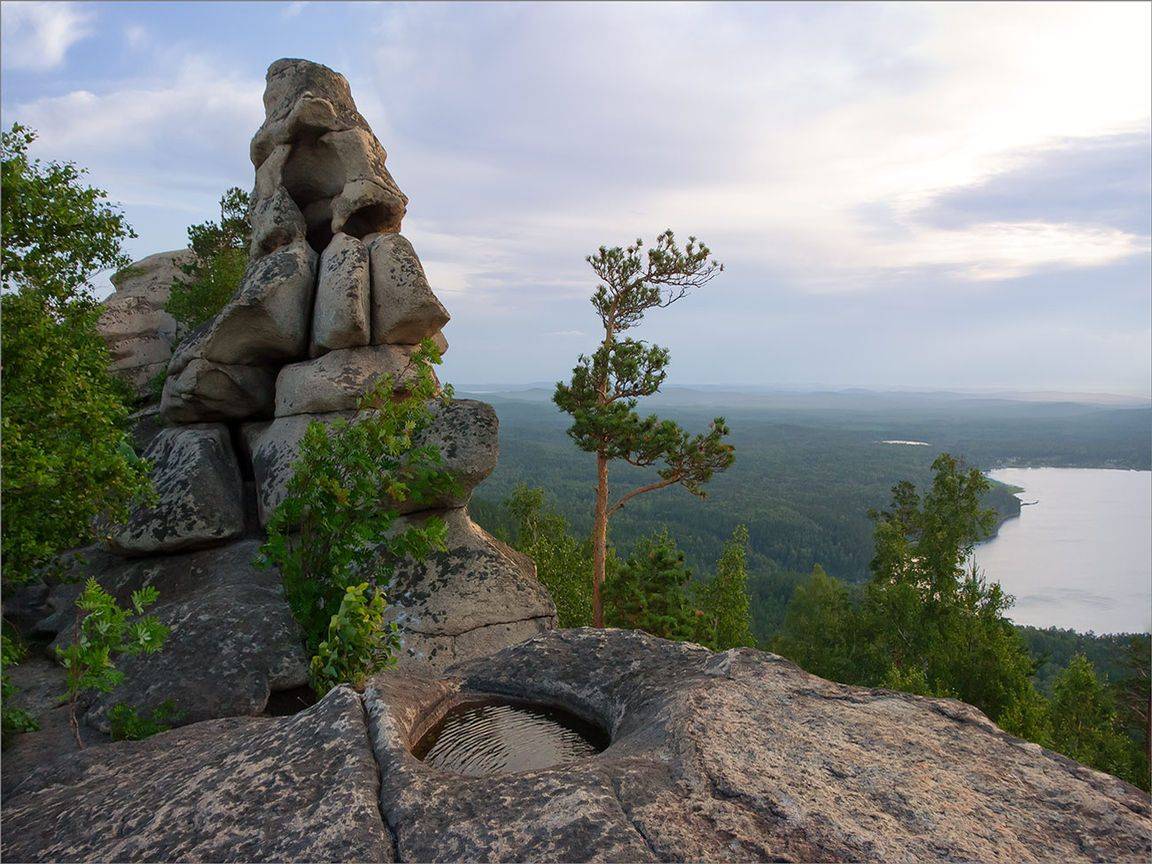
808, 469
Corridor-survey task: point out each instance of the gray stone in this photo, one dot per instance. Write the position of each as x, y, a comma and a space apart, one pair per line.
341, 315
135, 325
233, 639
299, 788
337, 380
152, 276
204, 391
467, 433
334, 169
739, 756
198, 494
404, 309
268, 319
303, 97
470, 600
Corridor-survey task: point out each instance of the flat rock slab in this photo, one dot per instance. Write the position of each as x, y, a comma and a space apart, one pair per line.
299, 788
739, 756
233, 638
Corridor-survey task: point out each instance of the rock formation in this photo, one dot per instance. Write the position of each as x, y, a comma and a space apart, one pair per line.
139, 331
333, 297
734, 756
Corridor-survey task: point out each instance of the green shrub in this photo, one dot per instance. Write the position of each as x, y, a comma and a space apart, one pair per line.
128, 724
335, 527
103, 631
359, 642
13, 720
65, 456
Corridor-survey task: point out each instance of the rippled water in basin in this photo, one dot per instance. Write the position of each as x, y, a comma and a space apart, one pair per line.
480, 738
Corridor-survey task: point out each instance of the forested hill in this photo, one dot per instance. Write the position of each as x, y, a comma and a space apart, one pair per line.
808, 468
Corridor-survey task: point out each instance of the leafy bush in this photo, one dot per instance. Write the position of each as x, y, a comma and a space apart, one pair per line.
12, 720
103, 631
359, 642
130, 725
334, 530
66, 458
213, 275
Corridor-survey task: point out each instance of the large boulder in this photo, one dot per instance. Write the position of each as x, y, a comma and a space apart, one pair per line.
337, 380
199, 494
204, 391
404, 309
739, 756
299, 788
465, 431
341, 315
233, 639
469, 600
334, 170
268, 319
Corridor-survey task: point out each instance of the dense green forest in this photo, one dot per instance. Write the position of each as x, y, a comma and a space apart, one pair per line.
808, 469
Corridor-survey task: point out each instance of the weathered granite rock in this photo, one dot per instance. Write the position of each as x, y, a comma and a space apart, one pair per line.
268, 319
276, 220
404, 309
468, 601
198, 494
233, 639
738, 756
337, 380
152, 276
340, 317
465, 431
299, 788
205, 391
335, 170
135, 325
302, 96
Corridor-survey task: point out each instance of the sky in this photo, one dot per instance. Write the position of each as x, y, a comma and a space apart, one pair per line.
946, 196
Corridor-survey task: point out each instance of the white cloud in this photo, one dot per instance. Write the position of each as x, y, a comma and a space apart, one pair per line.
293, 9
37, 36
136, 36
769, 131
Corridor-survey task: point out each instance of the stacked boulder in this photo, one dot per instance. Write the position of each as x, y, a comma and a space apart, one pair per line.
332, 299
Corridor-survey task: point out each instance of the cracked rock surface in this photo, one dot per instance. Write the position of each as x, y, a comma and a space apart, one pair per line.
299, 788
737, 756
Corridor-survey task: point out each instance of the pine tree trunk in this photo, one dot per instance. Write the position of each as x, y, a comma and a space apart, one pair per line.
600, 539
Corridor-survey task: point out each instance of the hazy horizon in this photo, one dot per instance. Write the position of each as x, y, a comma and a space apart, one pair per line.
922, 196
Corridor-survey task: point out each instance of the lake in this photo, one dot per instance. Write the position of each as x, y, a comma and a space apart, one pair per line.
1081, 557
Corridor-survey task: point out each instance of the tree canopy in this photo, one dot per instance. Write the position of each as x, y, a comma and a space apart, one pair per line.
66, 459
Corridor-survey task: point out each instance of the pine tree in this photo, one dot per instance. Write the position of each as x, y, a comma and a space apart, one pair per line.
605, 387
648, 591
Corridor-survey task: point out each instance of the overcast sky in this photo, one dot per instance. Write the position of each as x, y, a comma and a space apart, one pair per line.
903, 195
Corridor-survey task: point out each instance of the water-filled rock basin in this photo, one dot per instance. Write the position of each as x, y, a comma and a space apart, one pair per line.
483, 737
